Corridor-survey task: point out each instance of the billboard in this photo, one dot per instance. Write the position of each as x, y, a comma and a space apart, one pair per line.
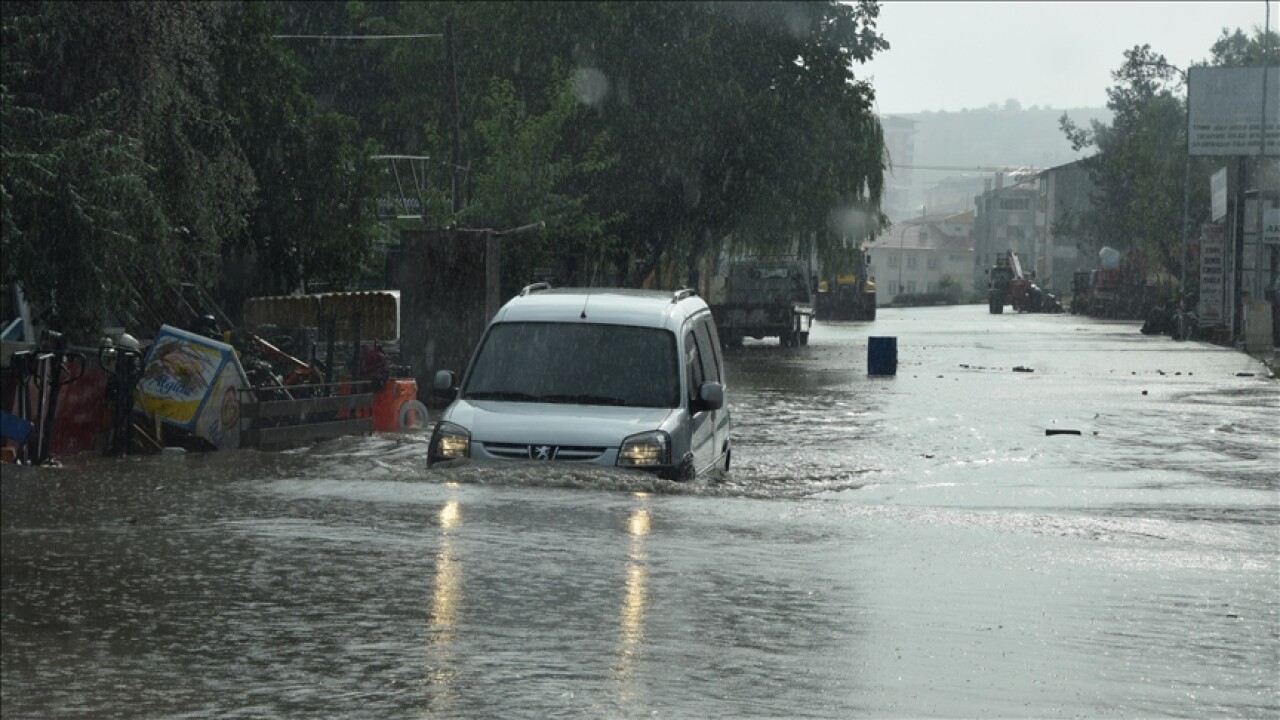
1225, 110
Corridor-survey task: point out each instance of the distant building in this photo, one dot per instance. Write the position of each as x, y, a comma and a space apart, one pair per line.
900, 194
1064, 193
1006, 220
915, 256
955, 193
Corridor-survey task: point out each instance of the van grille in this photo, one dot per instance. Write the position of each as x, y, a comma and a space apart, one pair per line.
569, 453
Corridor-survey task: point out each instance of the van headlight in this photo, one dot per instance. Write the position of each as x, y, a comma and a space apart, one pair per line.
449, 441
650, 449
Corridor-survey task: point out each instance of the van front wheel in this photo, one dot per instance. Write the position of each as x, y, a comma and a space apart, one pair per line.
685, 471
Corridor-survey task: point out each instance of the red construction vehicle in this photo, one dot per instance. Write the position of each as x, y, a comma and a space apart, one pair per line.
1008, 284
1114, 289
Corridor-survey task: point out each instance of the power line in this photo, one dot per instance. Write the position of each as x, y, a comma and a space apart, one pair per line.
357, 37
960, 168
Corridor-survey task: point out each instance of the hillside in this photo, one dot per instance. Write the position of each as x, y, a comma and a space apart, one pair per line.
997, 137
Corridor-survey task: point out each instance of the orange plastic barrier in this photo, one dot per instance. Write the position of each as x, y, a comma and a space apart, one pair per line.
398, 397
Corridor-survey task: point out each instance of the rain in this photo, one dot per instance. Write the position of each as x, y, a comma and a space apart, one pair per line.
622, 360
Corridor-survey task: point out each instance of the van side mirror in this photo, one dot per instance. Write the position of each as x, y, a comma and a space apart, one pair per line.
445, 383
710, 396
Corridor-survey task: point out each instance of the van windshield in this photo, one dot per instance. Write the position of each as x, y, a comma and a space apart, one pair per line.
573, 363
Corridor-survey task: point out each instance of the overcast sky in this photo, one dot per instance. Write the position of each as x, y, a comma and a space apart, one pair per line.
955, 55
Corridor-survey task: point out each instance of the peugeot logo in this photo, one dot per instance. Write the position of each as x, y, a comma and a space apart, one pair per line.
542, 452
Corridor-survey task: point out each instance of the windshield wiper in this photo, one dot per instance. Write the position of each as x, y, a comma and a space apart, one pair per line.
584, 399
502, 395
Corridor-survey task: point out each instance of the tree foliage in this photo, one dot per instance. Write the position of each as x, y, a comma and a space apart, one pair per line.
144, 143
312, 218
526, 173
737, 121
124, 175
151, 145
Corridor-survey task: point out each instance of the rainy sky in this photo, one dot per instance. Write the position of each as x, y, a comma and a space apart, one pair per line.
956, 55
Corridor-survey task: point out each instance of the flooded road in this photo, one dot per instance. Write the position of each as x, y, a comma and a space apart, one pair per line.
914, 546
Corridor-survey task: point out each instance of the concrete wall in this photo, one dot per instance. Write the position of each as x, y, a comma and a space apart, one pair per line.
442, 302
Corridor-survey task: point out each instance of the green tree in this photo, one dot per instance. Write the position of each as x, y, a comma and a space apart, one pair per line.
125, 179
527, 176
312, 217
1235, 48
1140, 160
1139, 163
737, 121
76, 212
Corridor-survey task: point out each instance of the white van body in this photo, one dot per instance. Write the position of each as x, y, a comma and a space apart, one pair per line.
627, 378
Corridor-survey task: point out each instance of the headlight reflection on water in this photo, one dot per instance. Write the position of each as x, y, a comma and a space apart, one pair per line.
635, 601
442, 672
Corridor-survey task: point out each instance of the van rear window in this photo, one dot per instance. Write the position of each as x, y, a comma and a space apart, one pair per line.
586, 364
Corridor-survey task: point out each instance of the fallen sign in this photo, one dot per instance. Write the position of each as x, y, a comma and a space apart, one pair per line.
192, 383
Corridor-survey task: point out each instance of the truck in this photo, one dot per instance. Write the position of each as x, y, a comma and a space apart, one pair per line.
1116, 288
765, 298
846, 297
1007, 283
1002, 280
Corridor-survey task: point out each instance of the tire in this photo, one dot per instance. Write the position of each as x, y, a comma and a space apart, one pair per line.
413, 416
685, 471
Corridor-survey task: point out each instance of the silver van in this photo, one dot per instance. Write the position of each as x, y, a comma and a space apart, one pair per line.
625, 378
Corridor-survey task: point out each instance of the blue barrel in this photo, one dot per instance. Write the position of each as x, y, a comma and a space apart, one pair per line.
882, 356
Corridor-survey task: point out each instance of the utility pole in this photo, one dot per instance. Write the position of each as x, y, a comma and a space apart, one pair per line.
1262, 163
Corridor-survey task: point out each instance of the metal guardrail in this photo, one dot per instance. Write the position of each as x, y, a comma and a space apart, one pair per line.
285, 423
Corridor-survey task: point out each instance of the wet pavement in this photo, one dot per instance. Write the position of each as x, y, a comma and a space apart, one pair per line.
914, 546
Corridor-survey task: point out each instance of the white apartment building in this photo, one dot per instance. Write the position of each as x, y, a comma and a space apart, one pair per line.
914, 256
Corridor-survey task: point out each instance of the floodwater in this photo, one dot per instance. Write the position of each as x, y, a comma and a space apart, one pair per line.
913, 546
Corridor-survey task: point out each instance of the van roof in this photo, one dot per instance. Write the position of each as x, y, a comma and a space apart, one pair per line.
610, 306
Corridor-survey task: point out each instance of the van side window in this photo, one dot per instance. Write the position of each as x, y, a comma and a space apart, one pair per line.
707, 349
693, 365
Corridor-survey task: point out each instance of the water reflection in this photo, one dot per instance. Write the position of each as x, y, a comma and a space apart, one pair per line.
635, 601
442, 668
